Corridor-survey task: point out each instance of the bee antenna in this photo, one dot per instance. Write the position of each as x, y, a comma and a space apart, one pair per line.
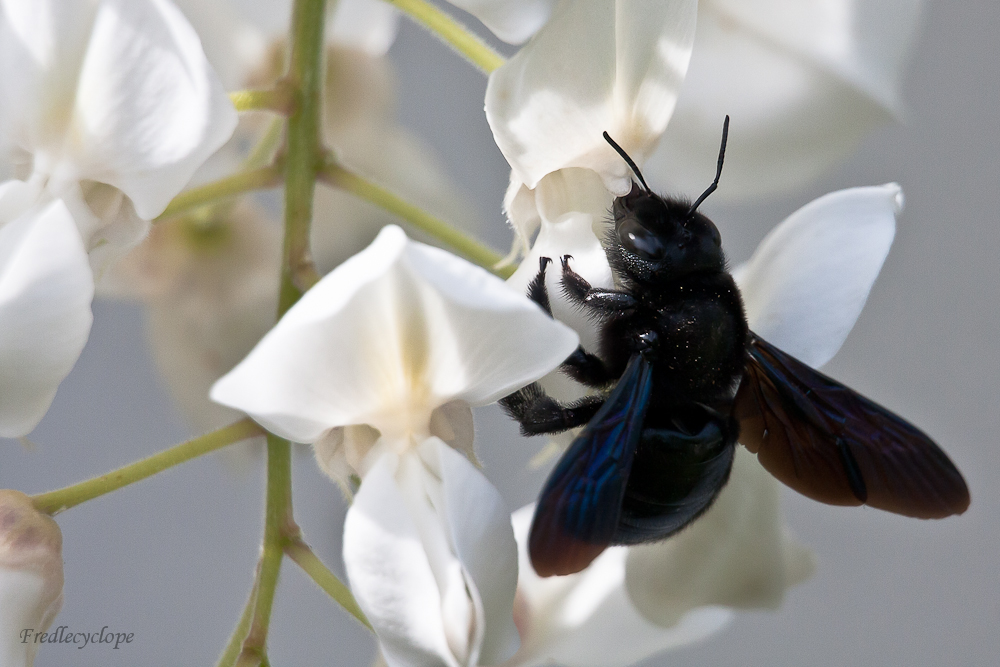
630, 161
718, 171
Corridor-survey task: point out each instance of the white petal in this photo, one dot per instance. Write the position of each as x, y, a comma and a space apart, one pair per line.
42, 43
734, 555
390, 574
480, 530
804, 82
431, 558
588, 619
808, 280
612, 66
149, 109
865, 42
396, 331
513, 21
45, 292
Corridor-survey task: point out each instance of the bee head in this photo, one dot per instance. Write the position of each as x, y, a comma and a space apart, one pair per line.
660, 240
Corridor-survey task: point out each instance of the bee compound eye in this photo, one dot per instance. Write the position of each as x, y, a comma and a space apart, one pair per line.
639, 240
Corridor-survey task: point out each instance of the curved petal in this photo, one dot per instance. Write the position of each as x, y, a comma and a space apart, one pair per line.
483, 541
431, 559
803, 80
513, 21
42, 43
864, 42
588, 620
807, 282
736, 554
389, 571
45, 292
612, 66
149, 109
391, 334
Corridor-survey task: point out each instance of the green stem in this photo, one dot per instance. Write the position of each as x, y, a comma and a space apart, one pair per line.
254, 179
265, 147
303, 144
54, 502
468, 247
310, 563
302, 157
279, 527
465, 42
280, 99
235, 645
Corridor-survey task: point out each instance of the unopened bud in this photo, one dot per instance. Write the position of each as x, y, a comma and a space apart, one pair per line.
31, 577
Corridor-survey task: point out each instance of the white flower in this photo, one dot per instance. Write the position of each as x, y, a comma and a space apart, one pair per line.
612, 65
378, 365
109, 107
803, 80
803, 289
31, 577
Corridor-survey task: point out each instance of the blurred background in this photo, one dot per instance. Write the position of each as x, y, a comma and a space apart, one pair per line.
171, 559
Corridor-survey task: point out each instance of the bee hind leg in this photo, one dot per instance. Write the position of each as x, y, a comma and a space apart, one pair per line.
538, 413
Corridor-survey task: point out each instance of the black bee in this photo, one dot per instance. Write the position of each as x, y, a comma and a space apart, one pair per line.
688, 380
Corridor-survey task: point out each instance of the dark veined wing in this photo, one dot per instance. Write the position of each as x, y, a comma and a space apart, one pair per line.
579, 507
833, 445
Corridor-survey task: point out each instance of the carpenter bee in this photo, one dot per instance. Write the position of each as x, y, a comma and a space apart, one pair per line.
688, 380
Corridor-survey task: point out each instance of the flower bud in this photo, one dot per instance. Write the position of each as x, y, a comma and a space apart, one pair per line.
31, 577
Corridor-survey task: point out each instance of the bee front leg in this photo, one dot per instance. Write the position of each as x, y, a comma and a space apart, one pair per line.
537, 412
598, 301
537, 291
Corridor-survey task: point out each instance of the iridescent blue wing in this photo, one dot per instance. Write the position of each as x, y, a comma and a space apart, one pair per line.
579, 507
833, 445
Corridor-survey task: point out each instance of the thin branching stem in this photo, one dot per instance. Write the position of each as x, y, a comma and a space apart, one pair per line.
465, 42
232, 651
279, 528
54, 502
310, 563
230, 186
280, 98
463, 244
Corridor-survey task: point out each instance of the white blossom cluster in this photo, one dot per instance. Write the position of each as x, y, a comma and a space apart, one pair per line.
108, 108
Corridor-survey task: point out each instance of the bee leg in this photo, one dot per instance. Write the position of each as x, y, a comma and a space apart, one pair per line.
537, 412
602, 302
536, 288
587, 368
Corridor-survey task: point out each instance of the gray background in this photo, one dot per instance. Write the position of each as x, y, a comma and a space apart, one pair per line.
171, 559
